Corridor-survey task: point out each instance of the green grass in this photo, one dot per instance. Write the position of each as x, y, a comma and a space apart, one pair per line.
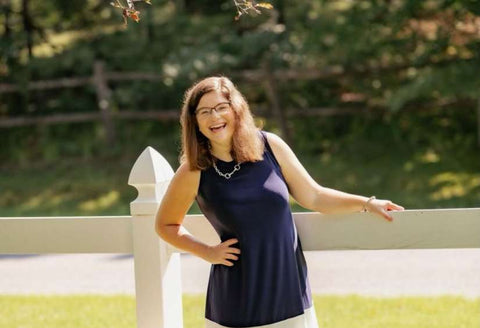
67, 311
423, 178
68, 188
95, 311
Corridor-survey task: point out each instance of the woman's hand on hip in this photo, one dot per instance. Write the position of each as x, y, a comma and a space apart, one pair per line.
223, 253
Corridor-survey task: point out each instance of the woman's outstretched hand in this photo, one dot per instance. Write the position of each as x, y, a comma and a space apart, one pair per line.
382, 207
223, 253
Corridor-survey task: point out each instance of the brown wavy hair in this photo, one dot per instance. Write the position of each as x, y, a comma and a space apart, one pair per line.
247, 145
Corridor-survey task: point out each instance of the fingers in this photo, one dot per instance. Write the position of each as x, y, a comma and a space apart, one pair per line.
387, 216
381, 211
390, 206
231, 257
234, 250
230, 241
229, 252
396, 207
231, 249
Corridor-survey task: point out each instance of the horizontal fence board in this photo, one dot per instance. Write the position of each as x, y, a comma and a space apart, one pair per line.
50, 235
162, 115
411, 229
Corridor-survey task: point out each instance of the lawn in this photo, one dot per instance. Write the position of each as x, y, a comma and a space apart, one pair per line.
422, 178
95, 311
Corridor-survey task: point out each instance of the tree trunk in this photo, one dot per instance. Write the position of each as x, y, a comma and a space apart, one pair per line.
280, 7
6, 26
150, 26
8, 35
27, 26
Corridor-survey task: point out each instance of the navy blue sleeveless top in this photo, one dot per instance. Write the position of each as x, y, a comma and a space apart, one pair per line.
268, 283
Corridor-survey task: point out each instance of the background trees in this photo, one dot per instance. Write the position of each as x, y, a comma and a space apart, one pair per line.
353, 79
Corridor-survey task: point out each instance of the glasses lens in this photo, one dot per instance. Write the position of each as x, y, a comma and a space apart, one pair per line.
203, 112
222, 108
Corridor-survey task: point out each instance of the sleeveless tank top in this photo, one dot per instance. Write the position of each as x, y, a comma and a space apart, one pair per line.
268, 283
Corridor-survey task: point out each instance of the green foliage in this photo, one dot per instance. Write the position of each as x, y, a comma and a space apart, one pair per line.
393, 53
412, 64
50, 144
457, 80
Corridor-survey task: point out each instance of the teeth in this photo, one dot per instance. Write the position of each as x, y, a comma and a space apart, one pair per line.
217, 126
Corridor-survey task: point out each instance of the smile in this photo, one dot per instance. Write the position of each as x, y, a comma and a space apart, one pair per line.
218, 127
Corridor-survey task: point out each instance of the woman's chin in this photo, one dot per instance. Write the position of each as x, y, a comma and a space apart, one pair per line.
220, 136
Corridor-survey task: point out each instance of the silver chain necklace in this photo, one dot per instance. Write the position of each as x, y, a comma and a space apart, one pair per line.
226, 175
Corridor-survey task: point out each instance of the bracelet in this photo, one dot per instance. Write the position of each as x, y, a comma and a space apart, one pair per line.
366, 203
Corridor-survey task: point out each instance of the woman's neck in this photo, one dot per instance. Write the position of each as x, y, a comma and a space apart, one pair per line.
222, 152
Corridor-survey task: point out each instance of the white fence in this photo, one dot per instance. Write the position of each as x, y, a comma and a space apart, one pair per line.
157, 265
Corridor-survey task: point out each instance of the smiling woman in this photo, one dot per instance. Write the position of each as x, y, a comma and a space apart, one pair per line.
242, 178
216, 120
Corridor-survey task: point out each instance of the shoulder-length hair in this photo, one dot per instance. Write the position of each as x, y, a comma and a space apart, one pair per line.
247, 145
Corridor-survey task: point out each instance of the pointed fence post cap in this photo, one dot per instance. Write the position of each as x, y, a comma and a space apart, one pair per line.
150, 167
150, 175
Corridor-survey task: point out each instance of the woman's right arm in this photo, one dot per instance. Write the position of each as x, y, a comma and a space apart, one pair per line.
178, 198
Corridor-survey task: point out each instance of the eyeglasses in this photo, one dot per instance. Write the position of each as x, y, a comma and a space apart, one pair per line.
220, 108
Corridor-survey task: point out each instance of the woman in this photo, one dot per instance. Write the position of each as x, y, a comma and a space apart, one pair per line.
241, 179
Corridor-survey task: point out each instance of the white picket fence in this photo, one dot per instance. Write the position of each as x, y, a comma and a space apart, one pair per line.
157, 265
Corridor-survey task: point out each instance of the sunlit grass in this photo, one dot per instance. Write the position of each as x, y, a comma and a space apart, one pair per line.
77, 188
104, 201
59, 40
100, 188
67, 311
454, 184
361, 312
100, 311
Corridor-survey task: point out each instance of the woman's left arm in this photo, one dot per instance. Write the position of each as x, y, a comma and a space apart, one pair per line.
315, 197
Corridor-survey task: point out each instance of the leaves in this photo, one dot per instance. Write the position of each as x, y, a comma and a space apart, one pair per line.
243, 7
250, 7
133, 14
265, 5
129, 11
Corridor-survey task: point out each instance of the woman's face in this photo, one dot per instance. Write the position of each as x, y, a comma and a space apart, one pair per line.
216, 124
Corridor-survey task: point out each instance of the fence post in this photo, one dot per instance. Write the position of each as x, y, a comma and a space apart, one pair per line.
104, 101
158, 286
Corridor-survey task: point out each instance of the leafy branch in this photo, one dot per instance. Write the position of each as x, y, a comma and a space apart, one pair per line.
129, 10
242, 6
249, 6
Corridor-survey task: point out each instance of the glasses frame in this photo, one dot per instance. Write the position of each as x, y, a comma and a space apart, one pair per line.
211, 109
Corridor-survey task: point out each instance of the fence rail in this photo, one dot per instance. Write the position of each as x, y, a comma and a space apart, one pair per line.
157, 264
100, 81
161, 115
